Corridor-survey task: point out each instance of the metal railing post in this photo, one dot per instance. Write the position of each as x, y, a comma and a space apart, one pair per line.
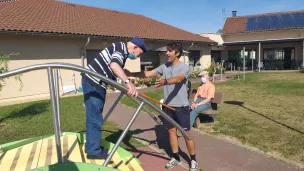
113, 106
54, 110
149, 113
117, 101
123, 134
57, 98
153, 116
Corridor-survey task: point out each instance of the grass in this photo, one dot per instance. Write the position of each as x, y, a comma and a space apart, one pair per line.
157, 95
35, 118
265, 111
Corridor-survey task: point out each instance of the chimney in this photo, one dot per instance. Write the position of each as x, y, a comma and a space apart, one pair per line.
234, 13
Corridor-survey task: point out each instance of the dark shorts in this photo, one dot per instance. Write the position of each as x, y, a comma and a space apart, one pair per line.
181, 115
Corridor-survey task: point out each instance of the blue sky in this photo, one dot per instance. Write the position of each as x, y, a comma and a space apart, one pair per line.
197, 16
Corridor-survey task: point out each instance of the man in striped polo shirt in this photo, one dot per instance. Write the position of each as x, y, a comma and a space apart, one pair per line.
109, 63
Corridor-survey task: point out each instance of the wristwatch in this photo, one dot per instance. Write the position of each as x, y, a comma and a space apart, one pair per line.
165, 82
127, 81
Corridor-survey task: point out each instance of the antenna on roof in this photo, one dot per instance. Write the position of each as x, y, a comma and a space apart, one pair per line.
219, 31
71, 4
224, 14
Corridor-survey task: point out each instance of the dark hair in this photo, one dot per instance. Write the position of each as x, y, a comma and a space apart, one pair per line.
177, 46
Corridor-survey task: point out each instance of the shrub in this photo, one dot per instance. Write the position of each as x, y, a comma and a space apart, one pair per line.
194, 74
4, 60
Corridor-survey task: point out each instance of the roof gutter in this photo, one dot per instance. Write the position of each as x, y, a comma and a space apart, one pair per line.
187, 51
82, 50
86, 35
265, 41
190, 46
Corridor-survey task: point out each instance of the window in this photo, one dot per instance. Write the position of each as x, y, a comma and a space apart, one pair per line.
194, 57
236, 57
233, 55
279, 54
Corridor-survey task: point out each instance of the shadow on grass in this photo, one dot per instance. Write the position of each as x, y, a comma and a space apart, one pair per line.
116, 134
32, 110
241, 104
162, 141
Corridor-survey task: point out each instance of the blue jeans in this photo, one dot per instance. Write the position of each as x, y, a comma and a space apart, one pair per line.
196, 111
94, 99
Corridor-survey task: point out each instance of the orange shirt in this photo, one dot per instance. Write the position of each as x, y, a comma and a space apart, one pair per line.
206, 90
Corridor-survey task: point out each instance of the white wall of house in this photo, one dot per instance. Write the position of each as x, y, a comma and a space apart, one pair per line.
34, 49
37, 50
205, 55
214, 36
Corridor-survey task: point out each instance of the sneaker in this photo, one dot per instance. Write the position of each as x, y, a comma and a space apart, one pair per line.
172, 163
194, 166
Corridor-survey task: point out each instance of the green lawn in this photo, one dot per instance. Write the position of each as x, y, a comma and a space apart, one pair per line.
35, 118
271, 115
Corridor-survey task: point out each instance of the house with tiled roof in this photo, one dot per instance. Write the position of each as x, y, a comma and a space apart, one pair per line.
54, 31
273, 40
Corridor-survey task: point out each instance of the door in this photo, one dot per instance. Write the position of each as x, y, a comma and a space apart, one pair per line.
216, 55
194, 57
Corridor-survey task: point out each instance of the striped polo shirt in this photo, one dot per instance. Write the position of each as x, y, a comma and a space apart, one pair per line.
116, 52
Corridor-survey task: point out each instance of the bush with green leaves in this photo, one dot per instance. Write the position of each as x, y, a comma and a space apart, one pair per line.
194, 73
213, 66
4, 60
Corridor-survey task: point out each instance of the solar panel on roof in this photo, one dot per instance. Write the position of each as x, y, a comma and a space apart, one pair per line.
286, 17
298, 16
299, 23
287, 20
262, 22
251, 23
274, 21
298, 19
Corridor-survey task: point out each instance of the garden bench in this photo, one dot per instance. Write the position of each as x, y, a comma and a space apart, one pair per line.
212, 111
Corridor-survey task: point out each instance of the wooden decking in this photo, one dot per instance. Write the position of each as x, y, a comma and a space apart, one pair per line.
43, 153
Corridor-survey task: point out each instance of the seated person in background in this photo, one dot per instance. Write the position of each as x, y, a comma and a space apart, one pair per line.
202, 98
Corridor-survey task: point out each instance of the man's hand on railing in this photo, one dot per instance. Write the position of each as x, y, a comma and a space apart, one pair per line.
132, 91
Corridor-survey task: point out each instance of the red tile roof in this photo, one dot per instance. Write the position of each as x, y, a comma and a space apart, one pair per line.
51, 16
234, 25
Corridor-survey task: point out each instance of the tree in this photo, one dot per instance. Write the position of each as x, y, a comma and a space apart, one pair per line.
4, 60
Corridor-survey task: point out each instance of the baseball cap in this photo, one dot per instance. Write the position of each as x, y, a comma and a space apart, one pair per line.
139, 42
203, 73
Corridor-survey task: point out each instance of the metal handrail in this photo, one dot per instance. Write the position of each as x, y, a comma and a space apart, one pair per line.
55, 101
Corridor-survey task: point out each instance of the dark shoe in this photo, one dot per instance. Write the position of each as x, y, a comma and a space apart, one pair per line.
101, 156
104, 149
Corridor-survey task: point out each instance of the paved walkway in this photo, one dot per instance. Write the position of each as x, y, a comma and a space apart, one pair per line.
212, 154
152, 160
